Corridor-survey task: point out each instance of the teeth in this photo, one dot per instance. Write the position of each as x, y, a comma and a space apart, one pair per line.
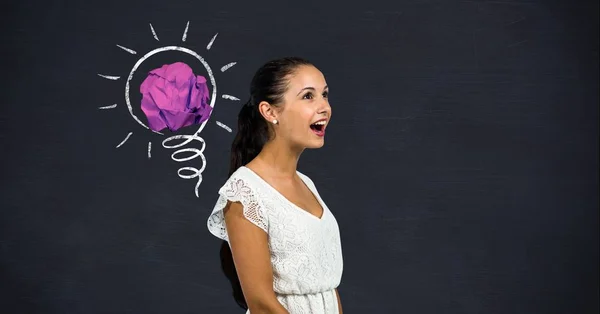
320, 123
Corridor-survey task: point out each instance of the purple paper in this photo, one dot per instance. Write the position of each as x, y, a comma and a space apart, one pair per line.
173, 97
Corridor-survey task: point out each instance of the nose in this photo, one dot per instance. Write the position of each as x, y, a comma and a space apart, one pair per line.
324, 106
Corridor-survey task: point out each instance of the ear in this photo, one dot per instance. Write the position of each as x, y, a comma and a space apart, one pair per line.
267, 111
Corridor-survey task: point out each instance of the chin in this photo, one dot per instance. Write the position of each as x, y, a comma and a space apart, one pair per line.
315, 144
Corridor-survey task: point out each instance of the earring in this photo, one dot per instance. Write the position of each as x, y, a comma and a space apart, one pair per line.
275, 121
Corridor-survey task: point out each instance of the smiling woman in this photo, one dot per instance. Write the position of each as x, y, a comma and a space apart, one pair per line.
281, 250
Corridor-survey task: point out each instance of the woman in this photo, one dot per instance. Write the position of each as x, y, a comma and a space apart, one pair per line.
281, 249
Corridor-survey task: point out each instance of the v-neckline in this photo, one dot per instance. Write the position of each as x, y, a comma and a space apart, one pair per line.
323, 208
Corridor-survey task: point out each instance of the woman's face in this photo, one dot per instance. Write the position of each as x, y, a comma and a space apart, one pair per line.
305, 103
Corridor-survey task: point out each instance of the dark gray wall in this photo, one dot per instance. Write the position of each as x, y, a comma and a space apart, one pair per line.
461, 162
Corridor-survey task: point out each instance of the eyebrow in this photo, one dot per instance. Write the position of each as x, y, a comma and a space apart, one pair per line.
312, 88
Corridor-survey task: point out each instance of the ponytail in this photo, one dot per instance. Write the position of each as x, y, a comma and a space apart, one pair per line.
251, 136
268, 84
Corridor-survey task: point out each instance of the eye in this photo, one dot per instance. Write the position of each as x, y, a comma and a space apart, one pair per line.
308, 95
326, 94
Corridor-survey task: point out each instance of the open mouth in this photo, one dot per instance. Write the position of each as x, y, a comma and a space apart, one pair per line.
318, 127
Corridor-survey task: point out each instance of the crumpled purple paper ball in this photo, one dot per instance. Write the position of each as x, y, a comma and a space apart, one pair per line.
173, 97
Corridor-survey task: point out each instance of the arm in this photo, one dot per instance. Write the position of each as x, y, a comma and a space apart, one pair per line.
339, 301
251, 256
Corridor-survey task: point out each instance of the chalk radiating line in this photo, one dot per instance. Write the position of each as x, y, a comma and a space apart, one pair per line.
211, 41
228, 129
227, 66
109, 77
149, 149
225, 96
127, 49
153, 32
108, 107
125, 140
185, 32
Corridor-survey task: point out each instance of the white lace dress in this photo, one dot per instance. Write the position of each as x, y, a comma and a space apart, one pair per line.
306, 252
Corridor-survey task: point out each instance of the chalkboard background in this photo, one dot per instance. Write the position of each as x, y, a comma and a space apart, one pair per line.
461, 162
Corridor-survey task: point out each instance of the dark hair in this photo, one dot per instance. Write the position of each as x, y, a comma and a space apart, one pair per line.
268, 84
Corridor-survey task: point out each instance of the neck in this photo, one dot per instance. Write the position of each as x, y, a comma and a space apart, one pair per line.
281, 158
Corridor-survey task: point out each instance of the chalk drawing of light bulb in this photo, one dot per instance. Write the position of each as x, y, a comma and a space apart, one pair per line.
173, 98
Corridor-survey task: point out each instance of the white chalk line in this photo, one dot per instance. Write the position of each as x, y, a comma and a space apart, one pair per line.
211, 42
109, 77
225, 96
228, 129
108, 107
185, 32
153, 32
196, 173
227, 66
131, 51
125, 140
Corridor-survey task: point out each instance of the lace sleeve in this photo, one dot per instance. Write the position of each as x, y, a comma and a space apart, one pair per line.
237, 190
